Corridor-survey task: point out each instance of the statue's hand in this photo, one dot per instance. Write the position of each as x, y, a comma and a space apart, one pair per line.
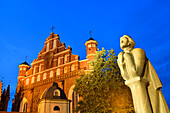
120, 57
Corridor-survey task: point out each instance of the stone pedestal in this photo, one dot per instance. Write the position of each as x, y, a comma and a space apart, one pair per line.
140, 95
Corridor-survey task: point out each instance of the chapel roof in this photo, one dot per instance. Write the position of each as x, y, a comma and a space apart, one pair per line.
49, 93
90, 39
25, 63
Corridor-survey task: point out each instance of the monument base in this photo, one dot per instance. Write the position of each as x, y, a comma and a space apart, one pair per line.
141, 101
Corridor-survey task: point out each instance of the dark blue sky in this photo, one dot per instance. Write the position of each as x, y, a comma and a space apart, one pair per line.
25, 24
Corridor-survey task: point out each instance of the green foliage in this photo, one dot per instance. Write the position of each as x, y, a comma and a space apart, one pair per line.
97, 87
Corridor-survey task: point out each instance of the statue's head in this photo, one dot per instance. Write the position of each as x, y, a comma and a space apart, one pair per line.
126, 42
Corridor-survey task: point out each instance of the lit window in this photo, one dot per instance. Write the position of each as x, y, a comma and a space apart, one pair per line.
24, 69
65, 69
33, 78
27, 81
56, 108
51, 74
58, 71
72, 67
93, 45
38, 78
89, 45
44, 76
56, 92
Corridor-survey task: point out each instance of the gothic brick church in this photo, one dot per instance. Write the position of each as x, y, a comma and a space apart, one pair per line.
46, 86
4, 97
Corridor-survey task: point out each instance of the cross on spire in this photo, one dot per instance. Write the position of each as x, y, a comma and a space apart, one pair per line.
25, 58
90, 33
52, 28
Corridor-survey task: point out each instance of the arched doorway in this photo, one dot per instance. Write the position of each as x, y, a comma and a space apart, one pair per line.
23, 105
74, 99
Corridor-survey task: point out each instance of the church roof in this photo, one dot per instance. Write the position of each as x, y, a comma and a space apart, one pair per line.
25, 63
49, 93
90, 39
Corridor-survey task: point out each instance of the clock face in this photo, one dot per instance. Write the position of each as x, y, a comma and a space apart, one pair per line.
48, 60
89, 45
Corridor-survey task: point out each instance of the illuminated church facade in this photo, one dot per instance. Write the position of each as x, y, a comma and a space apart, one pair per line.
47, 85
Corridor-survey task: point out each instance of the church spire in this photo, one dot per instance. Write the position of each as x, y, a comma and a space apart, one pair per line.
91, 47
52, 28
52, 33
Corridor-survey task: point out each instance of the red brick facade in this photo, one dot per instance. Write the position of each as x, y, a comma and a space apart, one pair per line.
55, 63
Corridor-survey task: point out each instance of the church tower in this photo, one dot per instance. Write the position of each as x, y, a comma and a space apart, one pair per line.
23, 68
91, 48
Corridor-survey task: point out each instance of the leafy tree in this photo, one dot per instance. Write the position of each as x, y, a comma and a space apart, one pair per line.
98, 88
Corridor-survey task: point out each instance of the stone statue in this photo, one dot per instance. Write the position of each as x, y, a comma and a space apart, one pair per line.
140, 76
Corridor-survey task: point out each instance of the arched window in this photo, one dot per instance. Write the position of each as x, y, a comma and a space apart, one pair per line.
27, 81
32, 80
56, 108
51, 74
65, 69
44, 76
72, 67
25, 107
38, 78
58, 71
57, 92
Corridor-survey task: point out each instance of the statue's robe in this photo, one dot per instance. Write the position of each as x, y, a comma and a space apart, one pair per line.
158, 102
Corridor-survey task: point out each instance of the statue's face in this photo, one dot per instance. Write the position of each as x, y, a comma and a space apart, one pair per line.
123, 42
